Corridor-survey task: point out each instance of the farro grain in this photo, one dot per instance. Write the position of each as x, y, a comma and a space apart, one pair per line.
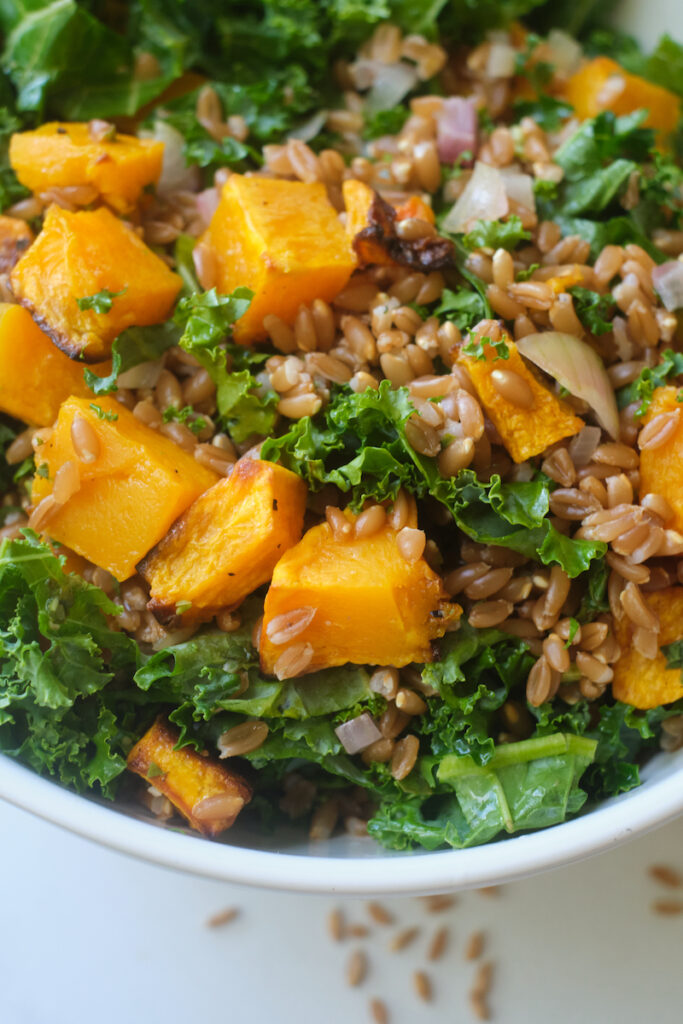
379, 913
666, 875
379, 1011
470, 415
555, 653
518, 589
672, 544
21, 447
456, 456
638, 612
410, 702
592, 635
539, 683
475, 946
228, 622
285, 627
404, 756
222, 917
503, 304
180, 435
456, 580
396, 369
668, 908
148, 413
370, 521
523, 326
438, 945
304, 330
489, 584
356, 968
564, 628
592, 668
361, 381
336, 924
431, 289
563, 316
512, 388
298, 406
439, 902
659, 430
402, 510
293, 661
422, 437
419, 361
423, 986
534, 294
645, 642
384, 681
657, 504
198, 388
486, 614
324, 820
649, 546
67, 481
221, 462
406, 288
403, 939
380, 751
242, 739
215, 808
560, 467
619, 490
328, 367
629, 542
411, 543
358, 931
613, 453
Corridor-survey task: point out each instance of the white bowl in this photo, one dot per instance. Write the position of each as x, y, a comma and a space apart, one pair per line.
346, 865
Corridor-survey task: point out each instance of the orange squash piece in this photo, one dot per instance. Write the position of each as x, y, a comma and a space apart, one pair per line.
78, 255
415, 207
228, 541
602, 84
204, 791
643, 682
129, 494
36, 376
64, 154
660, 468
282, 239
358, 199
15, 238
363, 601
524, 432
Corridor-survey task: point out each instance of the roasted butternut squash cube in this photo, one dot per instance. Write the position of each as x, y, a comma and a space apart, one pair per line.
228, 541
527, 431
66, 154
15, 238
370, 228
78, 256
282, 239
135, 484
35, 376
358, 199
660, 468
643, 682
204, 791
359, 600
602, 84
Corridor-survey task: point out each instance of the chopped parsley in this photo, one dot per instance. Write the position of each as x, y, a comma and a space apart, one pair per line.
104, 414
476, 348
100, 302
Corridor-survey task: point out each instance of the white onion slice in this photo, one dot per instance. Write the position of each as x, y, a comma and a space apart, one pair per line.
175, 176
358, 733
391, 84
501, 61
576, 367
144, 375
520, 187
565, 52
484, 198
310, 128
668, 281
456, 129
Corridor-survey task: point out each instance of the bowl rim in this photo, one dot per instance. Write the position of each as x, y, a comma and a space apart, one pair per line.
656, 802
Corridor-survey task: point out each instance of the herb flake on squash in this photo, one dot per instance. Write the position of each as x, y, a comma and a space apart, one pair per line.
643, 682
77, 255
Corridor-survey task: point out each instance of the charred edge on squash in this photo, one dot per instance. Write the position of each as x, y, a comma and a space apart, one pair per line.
422, 254
78, 353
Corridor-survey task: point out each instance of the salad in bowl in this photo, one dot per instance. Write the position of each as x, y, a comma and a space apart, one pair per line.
341, 382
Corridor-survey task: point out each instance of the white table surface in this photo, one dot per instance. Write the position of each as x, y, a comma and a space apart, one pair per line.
89, 935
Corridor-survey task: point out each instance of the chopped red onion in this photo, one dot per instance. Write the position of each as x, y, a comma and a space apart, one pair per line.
456, 129
358, 733
668, 281
583, 444
576, 367
484, 198
207, 203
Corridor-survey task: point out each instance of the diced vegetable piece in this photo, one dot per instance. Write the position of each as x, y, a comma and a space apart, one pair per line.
358, 199
415, 207
602, 84
228, 541
62, 155
359, 600
282, 239
525, 430
35, 376
131, 491
660, 467
204, 791
15, 238
643, 682
84, 255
